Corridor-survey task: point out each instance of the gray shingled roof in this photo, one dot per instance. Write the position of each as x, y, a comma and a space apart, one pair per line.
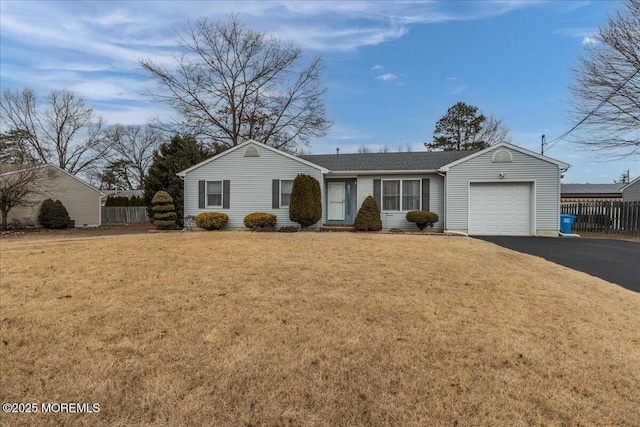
418, 160
591, 188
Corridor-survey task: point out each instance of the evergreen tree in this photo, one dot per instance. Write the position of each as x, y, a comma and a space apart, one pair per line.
368, 217
164, 212
172, 157
459, 129
305, 206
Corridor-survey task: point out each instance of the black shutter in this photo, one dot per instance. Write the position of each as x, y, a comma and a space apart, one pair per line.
376, 192
275, 198
201, 195
225, 194
425, 194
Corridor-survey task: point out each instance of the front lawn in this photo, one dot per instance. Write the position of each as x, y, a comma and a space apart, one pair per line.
240, 328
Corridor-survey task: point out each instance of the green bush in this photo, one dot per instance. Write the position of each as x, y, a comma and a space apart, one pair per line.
305, 206
260, 219
422, 219
53, 214
368, 217
211, 220
164, 214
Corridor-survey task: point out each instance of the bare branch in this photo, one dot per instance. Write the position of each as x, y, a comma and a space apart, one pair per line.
606, 88
231, 83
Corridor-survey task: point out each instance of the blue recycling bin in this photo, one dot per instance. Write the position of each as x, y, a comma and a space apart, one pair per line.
566, 222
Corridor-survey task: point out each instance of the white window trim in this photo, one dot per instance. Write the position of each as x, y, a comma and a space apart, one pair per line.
281, 204
401, 193
206, 194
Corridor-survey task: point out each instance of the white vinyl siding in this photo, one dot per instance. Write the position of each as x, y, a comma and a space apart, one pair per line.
542, 176
397, 219
251, 180
214, 194
632, 192
285, 192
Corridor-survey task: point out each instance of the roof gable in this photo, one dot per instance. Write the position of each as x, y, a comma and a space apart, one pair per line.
244, 144
560, 164
49, 165
630, 184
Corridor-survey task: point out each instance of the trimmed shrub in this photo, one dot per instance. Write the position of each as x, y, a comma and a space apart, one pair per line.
422, 219
305, 206
260, 220
211, 220
53, 214
368, 217
164, 213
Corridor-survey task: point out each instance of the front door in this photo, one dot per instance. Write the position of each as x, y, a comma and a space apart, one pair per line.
335, 211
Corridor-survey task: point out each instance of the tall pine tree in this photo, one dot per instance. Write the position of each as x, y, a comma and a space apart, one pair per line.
459, 129
180, 153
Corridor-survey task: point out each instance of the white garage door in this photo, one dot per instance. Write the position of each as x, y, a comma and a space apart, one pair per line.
500, 209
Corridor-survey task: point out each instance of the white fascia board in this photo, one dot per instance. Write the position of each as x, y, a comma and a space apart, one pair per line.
561, 165
630, 184
259, 144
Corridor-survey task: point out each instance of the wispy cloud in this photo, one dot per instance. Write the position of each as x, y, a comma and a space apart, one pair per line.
589, 41
89, 48
452, 79
458, 89
387, 77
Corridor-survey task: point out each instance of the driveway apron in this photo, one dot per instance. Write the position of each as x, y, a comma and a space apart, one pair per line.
616, 261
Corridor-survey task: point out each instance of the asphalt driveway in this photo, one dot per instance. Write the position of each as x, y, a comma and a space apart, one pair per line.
616, 261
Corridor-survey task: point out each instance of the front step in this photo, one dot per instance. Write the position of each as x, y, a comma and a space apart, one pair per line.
341, 227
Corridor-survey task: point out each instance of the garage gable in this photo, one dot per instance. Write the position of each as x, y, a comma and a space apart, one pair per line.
503, 190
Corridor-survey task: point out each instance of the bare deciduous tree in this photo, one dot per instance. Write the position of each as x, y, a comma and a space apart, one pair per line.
493, 131
363, 149
606, 88
64, 132
19, 186
231, 83
132, 149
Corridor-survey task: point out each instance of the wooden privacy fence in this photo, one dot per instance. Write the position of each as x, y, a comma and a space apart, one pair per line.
613, 217
124, 215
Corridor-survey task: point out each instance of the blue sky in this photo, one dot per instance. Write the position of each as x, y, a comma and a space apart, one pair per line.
392, 68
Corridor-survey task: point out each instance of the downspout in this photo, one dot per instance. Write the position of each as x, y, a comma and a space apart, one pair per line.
444, 204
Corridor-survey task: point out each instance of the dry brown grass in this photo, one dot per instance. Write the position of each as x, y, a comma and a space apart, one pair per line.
239, 328
602, 235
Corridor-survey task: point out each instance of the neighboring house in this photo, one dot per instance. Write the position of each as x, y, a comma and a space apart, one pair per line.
501, 190
631, 191
573, 193
81, 199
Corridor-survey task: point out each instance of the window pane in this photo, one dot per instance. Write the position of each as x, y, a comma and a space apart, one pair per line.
214, 193
285, 192
411, 195
214, 199
214, 187
286, 186
391, 195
